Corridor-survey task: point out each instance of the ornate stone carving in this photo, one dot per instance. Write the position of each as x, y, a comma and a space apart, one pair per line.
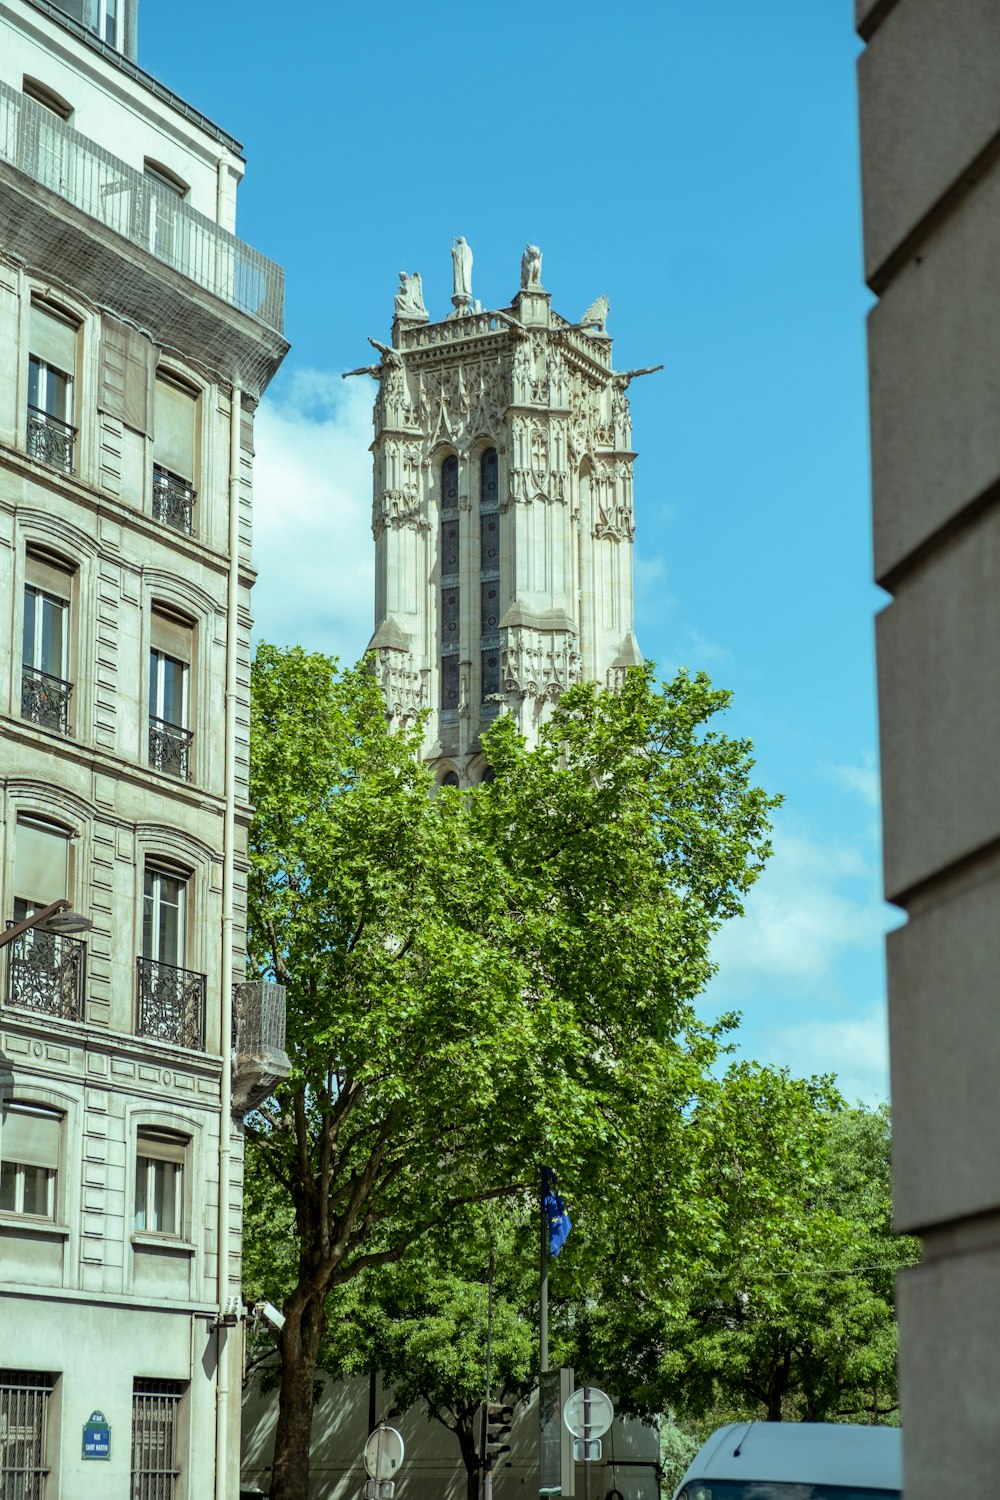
404, 688
531, 267
397, 487
612, 489
538, 663
410, 297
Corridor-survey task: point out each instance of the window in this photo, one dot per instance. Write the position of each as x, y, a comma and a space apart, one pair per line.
171, 999
45, 970
175, 430
46, 97
41, 865
45, 685
155, 1406
51, 371
159, 1181
24, 1400
163, 903
450, 617
169, 705
99, 16
29, 1160
164, 230
489, 574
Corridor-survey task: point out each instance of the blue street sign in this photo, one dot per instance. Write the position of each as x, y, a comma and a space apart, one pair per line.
97, 1436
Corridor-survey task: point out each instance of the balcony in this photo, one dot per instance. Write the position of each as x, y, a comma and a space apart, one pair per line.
170, 748
49, 440
45, 972
259, 1059
173, 500
170, 1003
46, 149
45, 699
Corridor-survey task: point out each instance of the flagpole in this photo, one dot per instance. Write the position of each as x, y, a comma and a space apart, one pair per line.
543, 1299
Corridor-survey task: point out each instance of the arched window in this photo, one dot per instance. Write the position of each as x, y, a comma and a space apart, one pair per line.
450, 617
450, 778
489, 573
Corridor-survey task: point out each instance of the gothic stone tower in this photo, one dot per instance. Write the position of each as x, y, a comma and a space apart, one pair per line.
502, 514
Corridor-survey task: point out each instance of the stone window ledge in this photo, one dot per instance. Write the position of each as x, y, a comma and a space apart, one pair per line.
144, 1241
23, 1225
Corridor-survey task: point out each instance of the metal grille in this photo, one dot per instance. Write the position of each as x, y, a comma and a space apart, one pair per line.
50, 440
450, 600
45, 972
37, 142
170, 1003
489, 573
45, 699
173, 500
24, 1401
170, 748
154, 1439
259, 1016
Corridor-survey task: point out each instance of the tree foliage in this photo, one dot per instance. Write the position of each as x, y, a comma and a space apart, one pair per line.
476, 982
783, 1305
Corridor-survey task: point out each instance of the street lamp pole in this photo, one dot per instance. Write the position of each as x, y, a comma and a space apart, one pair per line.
57, 916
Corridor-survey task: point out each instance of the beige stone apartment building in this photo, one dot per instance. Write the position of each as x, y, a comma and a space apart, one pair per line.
137, 334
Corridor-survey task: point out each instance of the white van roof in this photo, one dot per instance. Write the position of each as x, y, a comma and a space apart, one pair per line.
802, 1453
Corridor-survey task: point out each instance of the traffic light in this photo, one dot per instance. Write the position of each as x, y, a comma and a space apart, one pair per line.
498, 1424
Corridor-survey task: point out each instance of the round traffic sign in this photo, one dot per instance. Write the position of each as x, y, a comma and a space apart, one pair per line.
383, 1452
588, 1412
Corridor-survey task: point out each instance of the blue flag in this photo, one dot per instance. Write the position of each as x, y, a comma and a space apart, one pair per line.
555, 1212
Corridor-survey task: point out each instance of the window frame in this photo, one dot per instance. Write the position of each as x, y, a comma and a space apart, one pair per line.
158, 1148
56, 1118
155, 873
16, 1389
41, 93
158, 660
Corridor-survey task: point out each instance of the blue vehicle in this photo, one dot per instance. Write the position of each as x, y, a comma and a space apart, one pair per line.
796, 1461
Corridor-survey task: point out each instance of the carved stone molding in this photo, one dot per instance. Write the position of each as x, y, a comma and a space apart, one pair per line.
403, 687
538, 663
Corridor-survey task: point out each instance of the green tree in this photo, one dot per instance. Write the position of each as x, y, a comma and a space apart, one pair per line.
476, 982
432, 1318
785, 1308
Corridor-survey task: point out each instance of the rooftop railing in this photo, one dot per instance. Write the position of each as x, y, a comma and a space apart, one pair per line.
45, 148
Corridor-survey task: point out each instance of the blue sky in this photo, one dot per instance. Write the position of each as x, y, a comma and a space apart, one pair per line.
698, 164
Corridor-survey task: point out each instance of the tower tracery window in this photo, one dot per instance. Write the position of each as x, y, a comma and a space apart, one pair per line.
450, 598
489, 573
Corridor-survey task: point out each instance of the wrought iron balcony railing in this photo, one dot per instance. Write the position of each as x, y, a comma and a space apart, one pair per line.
50, 440
173, 500
170, 1003
170, 748
45, 699
45, 148
45, 971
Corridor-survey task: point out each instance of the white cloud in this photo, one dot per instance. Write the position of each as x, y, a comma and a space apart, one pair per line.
312, 515
814, 902
861, 779
856, 1048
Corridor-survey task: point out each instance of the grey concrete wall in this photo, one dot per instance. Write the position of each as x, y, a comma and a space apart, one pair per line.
929, 84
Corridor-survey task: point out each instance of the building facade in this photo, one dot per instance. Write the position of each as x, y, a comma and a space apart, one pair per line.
929, 81
503, 513
137, 334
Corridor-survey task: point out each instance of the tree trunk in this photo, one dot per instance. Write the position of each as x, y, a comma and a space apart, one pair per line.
305, 1324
